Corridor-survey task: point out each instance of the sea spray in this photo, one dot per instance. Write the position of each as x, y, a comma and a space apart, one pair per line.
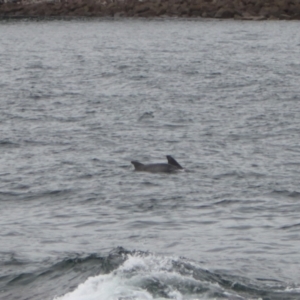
145, 276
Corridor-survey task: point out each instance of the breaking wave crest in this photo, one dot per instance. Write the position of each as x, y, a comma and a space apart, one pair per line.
146, 276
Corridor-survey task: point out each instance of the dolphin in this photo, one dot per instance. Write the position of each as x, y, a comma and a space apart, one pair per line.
171, 167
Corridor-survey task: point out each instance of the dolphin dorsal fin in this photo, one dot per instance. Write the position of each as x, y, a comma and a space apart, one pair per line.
137, 165
173, 162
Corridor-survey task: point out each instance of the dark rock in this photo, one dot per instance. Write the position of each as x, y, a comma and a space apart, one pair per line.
269, 11
225, 13
237, 9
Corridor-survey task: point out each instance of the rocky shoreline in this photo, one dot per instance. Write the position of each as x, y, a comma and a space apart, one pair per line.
222, 9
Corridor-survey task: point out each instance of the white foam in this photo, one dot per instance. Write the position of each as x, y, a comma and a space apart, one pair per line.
129, 280
292, 289
122, 283
106, 287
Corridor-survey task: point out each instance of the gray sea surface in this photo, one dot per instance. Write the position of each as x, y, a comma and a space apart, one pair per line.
80, 99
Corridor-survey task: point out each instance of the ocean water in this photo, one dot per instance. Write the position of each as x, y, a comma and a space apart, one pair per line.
82, 98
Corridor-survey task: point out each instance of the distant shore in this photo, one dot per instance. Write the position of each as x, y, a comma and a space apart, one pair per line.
222, 9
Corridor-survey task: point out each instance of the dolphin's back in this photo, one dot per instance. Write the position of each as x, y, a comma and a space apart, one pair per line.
159, 168
170, 167
154, 168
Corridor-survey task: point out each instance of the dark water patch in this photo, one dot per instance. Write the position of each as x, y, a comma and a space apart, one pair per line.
293, 226
294, 194
67, 119
70, 163
138, 77
46, 195
203, 206
90, 200
4, 174
8, 144
39, 96
174, 126
63, 216
35, 142
228, 174
226, 202
86, 176
88, 224
270, 280
150, 183
13, 234
143, 224
286, 193
7, 196
241, 227
147, 205
146, 116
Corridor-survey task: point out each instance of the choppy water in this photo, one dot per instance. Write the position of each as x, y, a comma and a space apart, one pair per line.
80, 99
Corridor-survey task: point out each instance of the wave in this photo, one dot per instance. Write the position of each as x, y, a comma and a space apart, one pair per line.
132, 275
145, 276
